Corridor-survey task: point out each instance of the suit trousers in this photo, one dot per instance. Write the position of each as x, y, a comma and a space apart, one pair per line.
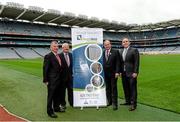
130, 88
53, 99
111, 88
69, 86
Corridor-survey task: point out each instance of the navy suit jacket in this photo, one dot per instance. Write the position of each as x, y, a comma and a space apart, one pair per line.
67, 71
112, 64
51, 70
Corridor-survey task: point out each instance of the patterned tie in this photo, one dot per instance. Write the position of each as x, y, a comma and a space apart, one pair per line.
67, 59
58, 58
107, 54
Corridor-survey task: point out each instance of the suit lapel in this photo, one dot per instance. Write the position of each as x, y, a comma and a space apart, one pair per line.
104, 59
110, 53
121, 52
64, 60
54, 58
70, 58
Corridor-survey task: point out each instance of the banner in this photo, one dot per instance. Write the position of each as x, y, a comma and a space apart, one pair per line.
88, 81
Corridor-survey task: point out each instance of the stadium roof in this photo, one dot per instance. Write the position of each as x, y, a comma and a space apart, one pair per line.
17, 11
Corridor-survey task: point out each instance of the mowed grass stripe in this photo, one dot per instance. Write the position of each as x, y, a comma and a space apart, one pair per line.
31, 66
159, 81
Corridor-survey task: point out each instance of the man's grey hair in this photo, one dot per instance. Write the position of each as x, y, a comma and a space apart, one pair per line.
53, 42
65, 44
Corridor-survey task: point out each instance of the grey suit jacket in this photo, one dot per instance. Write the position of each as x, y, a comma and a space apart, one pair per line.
131, 63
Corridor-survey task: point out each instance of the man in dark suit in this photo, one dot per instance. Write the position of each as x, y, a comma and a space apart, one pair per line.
130, 67
66, 57
52, 70
111, 70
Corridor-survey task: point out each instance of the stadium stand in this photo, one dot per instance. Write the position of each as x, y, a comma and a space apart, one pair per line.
27, 33
26, 52
7, 53
168, 48
157, 49
41, 51
177, 48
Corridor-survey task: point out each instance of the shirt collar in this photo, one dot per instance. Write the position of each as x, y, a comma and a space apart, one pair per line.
65, 53
109, 50
127, 48
54, 53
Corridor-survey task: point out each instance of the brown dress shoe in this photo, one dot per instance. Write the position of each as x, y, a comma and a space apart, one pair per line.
132, 108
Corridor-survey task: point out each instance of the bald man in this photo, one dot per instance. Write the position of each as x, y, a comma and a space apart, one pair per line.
111, 70
130, 68
66, 57
52, 70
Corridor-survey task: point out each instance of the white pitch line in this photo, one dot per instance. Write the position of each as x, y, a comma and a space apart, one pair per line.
13, 114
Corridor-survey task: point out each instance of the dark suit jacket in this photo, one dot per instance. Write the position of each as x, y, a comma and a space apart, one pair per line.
131, 62
112, 64
67, 71
51, 69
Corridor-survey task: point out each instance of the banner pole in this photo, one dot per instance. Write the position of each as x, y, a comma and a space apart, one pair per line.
97, 107
81, 108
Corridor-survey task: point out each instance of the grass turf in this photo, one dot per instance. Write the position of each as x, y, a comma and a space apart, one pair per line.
23, 93
159, 81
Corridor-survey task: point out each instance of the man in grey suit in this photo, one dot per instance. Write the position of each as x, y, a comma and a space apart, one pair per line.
130, 67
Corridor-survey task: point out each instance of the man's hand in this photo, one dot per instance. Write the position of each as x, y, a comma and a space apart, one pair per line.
116, 75
120, 74
134, 75
46, 83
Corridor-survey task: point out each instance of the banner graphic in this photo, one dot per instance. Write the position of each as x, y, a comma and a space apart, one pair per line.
88, 76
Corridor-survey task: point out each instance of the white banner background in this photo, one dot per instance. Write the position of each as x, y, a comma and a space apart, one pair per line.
88, 81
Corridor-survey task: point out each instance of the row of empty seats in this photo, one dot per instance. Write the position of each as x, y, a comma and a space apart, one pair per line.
8, 53
42, 51
26, 53
14, 27
173, 48
29, 53
56, 31
18, 52
144, 35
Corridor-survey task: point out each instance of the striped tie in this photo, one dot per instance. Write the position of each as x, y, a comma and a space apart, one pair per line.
58, 58
107, 54
67, 59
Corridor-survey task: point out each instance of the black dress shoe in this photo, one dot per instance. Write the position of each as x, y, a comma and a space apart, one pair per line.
52, 115
59, 110
62, 106
125, 104
71, 105
115, 107
109, 104
132, 108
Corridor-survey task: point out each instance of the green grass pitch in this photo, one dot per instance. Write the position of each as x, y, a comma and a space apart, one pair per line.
23, 93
